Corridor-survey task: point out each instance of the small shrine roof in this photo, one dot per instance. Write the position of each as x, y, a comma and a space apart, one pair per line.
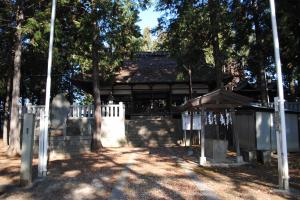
218, 99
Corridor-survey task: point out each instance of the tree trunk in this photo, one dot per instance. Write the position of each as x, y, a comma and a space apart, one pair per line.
260, 72
292, 83
7, 109
214, 24
191, 96
14, 134
96, 144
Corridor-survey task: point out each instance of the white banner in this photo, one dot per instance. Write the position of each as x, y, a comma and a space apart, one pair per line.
186, 121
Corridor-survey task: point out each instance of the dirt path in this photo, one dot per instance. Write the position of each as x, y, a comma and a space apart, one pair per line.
154, 175
120, 173
138, 173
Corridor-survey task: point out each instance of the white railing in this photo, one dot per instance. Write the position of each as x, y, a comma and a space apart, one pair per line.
80, 111
289, 106
113, 110
292, 106
35, 109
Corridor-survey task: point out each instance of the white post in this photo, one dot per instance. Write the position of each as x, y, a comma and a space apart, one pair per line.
48, 87
43, 147
121, 110
202, 160
282, 127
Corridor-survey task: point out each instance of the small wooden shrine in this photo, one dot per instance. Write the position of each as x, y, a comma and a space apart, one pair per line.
217, 101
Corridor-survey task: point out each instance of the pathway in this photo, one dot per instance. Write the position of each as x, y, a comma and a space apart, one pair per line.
120, 173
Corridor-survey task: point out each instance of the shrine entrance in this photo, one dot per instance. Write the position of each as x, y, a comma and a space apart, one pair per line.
154, 104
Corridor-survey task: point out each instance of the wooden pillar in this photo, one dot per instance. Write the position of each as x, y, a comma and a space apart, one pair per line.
217, 121
239, 158
170, 99
191, 127
151, 102
202, 159
131, 100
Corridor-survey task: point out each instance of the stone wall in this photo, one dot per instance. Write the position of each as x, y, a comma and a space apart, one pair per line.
141, 131
77, 137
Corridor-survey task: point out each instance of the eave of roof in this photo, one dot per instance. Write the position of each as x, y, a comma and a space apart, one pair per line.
218, 99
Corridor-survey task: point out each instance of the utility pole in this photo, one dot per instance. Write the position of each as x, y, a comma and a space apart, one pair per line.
283, 169
44, 130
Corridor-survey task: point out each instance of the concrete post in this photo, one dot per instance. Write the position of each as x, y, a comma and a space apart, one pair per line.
202, 160
27, 146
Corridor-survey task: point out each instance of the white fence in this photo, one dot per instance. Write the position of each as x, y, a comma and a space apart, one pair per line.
81, 111
288, 106
112, 124
292, 106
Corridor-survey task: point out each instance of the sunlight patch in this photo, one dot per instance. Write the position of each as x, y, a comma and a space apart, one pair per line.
72, 173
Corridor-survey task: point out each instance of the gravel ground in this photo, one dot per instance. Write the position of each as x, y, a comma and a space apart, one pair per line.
255, 181
155, 175
96, 175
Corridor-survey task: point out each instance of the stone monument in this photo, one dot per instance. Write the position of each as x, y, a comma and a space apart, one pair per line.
60, 108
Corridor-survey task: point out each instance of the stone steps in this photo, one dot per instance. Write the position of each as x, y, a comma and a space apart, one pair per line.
152, 131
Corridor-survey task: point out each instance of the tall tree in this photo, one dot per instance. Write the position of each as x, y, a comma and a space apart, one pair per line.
6, 41
214, 17
195, 34
14, 135
258, 48
96, 145
147, 40
106, 33
288, 17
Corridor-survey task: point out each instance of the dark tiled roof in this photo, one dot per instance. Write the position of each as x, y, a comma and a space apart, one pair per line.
148, 69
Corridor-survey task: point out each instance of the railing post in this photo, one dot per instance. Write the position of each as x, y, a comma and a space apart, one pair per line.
121, 110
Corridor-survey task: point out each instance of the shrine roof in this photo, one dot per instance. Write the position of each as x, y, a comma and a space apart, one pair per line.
216, 99
150, 67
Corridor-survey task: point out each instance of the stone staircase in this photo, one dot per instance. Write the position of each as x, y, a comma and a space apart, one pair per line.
153, 131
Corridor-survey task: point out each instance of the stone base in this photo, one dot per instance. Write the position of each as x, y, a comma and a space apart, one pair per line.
239, 159
216, 149
249, 156
202, 160
264, 156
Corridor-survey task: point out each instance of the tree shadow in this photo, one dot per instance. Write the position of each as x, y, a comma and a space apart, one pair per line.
244, 178
94, 175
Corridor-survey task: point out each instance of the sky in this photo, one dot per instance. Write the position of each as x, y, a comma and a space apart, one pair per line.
148, 18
